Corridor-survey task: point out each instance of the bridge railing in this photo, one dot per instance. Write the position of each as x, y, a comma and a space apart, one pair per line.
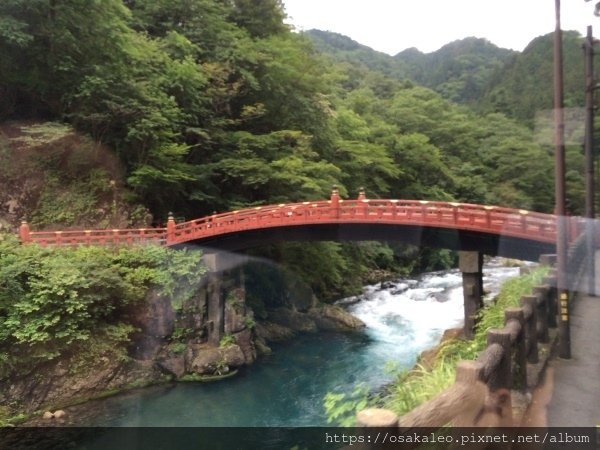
253, 218
94, 237
487, 219
484, 385
477, 217
484, 219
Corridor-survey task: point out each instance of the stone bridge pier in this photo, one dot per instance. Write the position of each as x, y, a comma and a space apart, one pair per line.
471, 265
225, 276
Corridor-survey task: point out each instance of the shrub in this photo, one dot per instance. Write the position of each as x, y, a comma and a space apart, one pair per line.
227, 340
56, 300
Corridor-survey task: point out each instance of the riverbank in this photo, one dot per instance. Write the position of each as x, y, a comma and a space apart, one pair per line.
297, 373
436, 369
60, 388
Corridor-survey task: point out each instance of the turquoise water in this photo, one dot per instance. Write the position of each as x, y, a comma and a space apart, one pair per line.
286, 389
283, 389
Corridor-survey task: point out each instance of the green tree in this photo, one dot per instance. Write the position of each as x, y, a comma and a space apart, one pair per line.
261, 18
53, 302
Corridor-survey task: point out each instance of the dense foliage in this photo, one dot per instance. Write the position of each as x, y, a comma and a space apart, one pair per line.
57, 302
523, 88
212, 105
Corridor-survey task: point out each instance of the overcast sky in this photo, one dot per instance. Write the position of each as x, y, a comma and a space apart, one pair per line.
391, 26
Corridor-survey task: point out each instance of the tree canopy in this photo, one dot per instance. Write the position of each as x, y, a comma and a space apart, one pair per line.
212, 105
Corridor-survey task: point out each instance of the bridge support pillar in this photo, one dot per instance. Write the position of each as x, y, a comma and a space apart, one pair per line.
470, 264
215, 303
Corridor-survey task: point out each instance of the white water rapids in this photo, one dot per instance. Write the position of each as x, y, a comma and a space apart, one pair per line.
410, 315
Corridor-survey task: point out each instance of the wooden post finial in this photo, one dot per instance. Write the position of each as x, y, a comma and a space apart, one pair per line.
335, 202
361, 193
170, 228
24, 232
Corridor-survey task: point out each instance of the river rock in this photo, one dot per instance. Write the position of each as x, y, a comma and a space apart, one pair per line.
334, 318
155, 318
234, 322
233, 355
428, 357
144, 346
59, 414
193, 315
440, 297
235, 318
273, 332
246, 344
47, 415
399, 289
205, 360
386, 285
294, 320
262, 349
172, 365
351, 300
31, 393
299, 295
202, 359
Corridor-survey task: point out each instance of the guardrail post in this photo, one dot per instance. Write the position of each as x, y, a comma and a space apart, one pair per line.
596, 256
591, 256
530, 301
542, 293
170, 228
501, 378
24, 232
520, 371
548, 260
376, 418
550, 281
470, 264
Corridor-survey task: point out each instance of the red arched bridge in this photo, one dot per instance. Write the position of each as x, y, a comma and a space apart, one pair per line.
490, 229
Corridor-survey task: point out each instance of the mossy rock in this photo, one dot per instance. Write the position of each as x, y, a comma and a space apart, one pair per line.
207, 378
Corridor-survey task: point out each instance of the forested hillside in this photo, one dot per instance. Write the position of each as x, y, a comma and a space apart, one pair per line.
344, 49
523, 87
460, 71
211, 106
474, 71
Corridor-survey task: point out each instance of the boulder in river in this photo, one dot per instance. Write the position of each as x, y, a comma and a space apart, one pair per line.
294, 320
202, 359
334, 318
273, 332
244, 340
173, 365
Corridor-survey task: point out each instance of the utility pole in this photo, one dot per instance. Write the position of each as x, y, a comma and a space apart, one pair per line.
564, 332
589, 157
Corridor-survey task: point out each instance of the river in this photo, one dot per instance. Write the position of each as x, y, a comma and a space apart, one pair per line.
287, 388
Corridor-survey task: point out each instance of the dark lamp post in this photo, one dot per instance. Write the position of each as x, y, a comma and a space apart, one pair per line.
564, 332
